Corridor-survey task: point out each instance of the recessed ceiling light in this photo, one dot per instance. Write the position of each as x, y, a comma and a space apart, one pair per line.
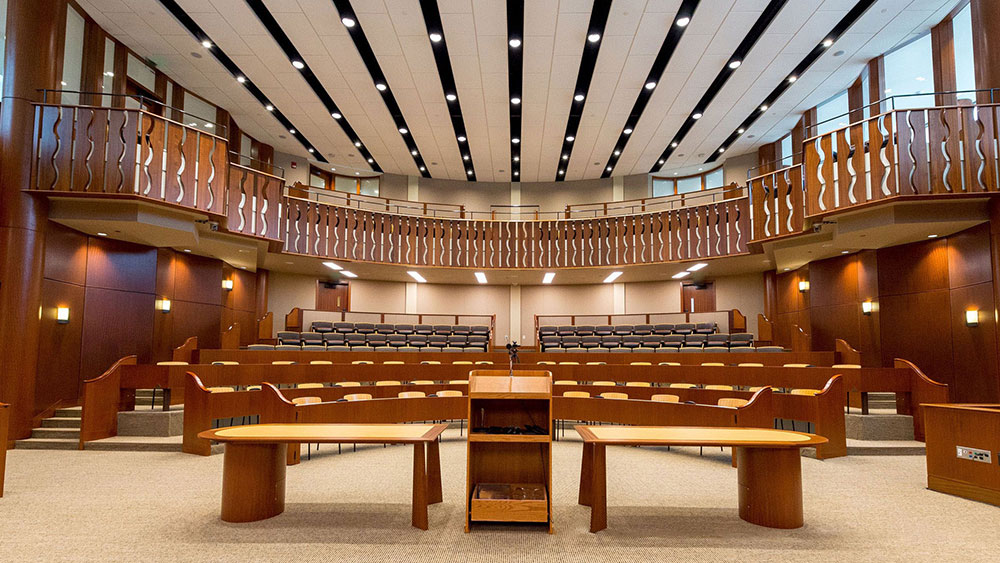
786, 269
578, 97
932, 236
422, 168
608, 169
515, 140
570, 138
435, 37
565, 157
357, 143
371, 160
594, 37
561, 172
357, 173
793, 78
465, 157
403, 130
696, 115
336, 115
681, 22
627, 131
468, 172
348, 22
333, 265
650, 85
659, 161
845, 251
481, 277
187, 250
740, 131
680, 275
450, 97
517, 159
417, 276
612, 277
241, 79
292, 131
269, 107
516, 173
102, 234
617, 152
722, 150
381, 87
348, 274
697, 267
206, 44
312, 150
827, 42
515, 100
299, 64
673, 145
763, 107
333, 168
413, 152
461, 138
735, 64
515, 42
548, 277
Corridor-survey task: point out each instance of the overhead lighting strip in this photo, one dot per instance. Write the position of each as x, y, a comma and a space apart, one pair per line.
515, 78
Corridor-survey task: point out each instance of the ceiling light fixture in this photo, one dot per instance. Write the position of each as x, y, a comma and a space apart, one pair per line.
763, 107
673, 145
650, 85
336, 115
608, 169
417, 276
548, 277
565, 157
348, 274
697, 267
435, 37
515, 43
827, 42
206, 44
465, 157
627, 131
740, 131
722, 150
681, 22
793, 78
612, 277
578, 97
517, 159
735, 64
381, 87
450, 97
348, 22
696, 115
515, 100
594, 37
102, 234
468, 172
515, 140
298, 64
371, 160
403, 130
461, 138
481, 277
269, 107
570, 139
617, 152
423, 169
680, 275
241, 79
292, 131
413, 152
561, 172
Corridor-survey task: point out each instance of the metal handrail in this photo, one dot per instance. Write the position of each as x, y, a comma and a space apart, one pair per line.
239, 162
45, 99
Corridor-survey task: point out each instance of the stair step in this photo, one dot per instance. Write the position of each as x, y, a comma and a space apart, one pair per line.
879, 427
73, 412
143, 444
46, 444
885, 447
61, 422
57, 433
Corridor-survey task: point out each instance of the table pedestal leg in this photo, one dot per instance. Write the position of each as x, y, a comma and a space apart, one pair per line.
434, 494
586, 473
253, 481
419, 517
770, 486
599, 490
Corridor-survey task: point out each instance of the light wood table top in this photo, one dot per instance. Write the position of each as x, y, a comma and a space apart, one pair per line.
697, 436
327, 433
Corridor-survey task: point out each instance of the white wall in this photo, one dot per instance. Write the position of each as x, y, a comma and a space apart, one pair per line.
745, 292
287, 291
299, 174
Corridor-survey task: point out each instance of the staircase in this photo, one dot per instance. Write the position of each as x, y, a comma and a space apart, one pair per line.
881, 432
60, 432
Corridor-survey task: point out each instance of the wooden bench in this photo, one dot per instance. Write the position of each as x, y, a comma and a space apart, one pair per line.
253, 471
767, 461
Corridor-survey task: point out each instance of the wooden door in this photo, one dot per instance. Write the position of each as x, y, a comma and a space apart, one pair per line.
333, 296
698, 298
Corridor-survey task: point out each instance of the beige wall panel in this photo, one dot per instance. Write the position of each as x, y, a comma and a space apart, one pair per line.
595, 299
744, 292
285, 291
378, 296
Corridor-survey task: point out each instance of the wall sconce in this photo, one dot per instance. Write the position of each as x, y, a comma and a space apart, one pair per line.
62, 315
866, 307
227, 285
972, 317
803, 286
163, 305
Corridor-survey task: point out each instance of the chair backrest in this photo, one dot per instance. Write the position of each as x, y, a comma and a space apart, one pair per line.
172, 363
665, 398
642, 329
309, 385
343, 327
577, 394
358, 397
663, 328
282, 363
393, 363
545, 363
449, 393
565, 382
462, 363
604, 383
403, 329
713, 364
638, 384
566, 330
545, 330
569, 363
220, 389
624, 329
584, 330
422, 382
846, 366
641, 363
260, 347
347, 384
320, 363
364, 328
431, 362
669, 364
312, 338
362, 362
387, 383
322, 326
459, 382
682, 385
411, 394
743, 349
597, 363
306, 400
484, 362
770, 349
610, 395
720, 387
225, 363
442, 329
732, 402
385, 328
750, 365
807, 392
795, 365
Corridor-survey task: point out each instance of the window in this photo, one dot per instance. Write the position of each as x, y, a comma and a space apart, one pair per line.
786, 151
199, 113
246, 150
714, 178
662, 187
965, 73
910, 70
832, 114
319, 178
345, 184
3, 37
108, 78
368, 186
72, 72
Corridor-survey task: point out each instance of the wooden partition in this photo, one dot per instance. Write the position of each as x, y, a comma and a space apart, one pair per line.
230, 338
951, 427
265, 327
254, 203
4, 442
103, 397
776, 199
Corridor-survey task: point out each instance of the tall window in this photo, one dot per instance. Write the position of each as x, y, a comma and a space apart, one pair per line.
72, 72
246, 150
965, 73
910, 70
3, 36
713, 178
108, 78
199, 113
832, 114
786, 151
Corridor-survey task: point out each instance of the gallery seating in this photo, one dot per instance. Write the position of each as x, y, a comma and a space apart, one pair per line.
684, 337
383, 337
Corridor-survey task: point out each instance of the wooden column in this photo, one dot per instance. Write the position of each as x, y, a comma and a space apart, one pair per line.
34, 44
943, 49
876, 84
986, 45
995, 259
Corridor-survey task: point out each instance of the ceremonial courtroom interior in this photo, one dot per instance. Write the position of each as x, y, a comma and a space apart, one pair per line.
499, 280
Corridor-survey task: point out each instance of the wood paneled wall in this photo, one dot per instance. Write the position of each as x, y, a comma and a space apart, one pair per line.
111, 288
920, 293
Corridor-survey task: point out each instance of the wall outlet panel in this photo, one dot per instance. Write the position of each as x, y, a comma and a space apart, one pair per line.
974, 454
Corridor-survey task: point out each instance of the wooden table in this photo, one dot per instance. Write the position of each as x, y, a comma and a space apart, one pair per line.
253, 473
767, 461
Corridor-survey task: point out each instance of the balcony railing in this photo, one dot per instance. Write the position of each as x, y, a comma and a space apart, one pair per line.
776, 201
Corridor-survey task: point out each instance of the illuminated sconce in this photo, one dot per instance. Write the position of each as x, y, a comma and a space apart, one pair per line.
227, 285
62, 315
803, 286
866, 307
163, 305
972, 317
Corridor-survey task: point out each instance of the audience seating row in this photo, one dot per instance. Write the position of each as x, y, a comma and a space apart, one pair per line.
647, 343
326, 327
337, 341
624, 330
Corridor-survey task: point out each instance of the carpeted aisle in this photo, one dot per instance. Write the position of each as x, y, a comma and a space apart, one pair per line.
74, 506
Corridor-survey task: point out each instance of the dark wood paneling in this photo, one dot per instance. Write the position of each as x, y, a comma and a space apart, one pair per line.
831, 322
123, 266
917, 327
973, 347
195, 319
909, 268
833, 281
116, 324
943, 54
969, 257
335, 298
59, 345
869, 332
197, 279
65, 254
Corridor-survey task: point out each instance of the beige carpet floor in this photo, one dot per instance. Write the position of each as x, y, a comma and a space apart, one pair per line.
76, 506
